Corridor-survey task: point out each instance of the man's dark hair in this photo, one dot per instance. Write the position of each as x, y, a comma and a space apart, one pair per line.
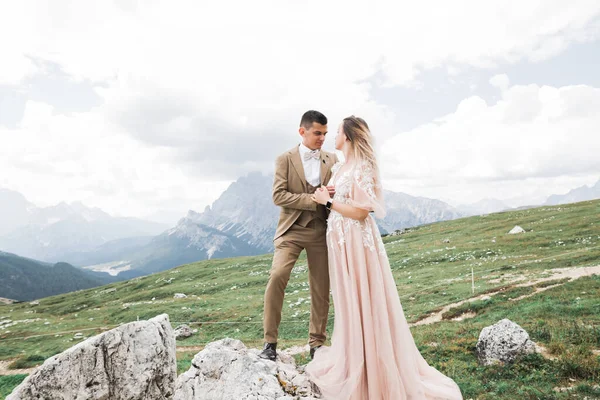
312, 116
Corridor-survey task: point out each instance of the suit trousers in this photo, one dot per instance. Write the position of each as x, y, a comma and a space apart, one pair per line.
287, 249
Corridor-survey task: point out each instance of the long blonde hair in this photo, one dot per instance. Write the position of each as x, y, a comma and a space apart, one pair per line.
358, 133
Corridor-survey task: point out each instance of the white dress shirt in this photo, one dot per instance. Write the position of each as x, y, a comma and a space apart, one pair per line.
312, 167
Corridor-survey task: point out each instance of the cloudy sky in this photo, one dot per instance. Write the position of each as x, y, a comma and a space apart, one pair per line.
141, 106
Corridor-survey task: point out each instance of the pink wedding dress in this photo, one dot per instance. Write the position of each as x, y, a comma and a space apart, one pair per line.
373, 355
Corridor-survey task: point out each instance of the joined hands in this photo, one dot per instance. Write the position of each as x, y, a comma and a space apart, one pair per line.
323, 194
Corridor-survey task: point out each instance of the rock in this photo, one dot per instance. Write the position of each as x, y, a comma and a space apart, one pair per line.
134, 361
292, 351
179, 296
503, 342
446, 240
182, 332
516, 229
226, 369
78, 335
34, 303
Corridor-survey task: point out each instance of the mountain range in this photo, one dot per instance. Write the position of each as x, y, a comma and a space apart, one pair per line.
241, 221
581, 193
49, 233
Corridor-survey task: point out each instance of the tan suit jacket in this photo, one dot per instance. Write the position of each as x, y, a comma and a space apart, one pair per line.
289, 186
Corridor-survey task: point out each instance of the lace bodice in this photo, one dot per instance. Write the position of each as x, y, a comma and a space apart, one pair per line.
351, 181
342, 183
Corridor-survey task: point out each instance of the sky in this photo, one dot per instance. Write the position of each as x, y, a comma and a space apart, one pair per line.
146, 107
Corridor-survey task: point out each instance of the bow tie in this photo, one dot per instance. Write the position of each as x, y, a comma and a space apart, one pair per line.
316, 154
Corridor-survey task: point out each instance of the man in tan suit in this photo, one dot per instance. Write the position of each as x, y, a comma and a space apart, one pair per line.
302, 225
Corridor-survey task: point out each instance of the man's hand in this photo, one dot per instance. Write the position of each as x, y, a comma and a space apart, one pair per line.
321, 196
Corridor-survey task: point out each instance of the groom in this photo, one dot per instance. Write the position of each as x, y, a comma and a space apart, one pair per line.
302, 225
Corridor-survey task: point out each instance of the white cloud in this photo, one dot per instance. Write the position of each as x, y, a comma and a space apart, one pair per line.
14, 69
500, 81
531, 137
195, 93
50, 158
271, 53
271, 39
14, 47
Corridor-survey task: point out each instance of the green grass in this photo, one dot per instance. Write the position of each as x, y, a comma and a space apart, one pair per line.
225, 300
9, 382
184, 361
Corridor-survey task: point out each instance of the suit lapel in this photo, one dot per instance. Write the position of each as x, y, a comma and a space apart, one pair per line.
297, 163
324, 167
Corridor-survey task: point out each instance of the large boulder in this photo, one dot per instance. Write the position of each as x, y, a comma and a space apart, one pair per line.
503, 343
133, 361
226, 369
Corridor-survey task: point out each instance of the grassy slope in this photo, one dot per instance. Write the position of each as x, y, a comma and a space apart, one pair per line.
225, 299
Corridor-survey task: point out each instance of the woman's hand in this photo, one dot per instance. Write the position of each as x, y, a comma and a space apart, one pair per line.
321, 195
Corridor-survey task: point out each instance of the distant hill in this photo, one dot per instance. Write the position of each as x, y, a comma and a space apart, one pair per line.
118, 249
581, 193
405, 211
188, 242
25, 279
484, 206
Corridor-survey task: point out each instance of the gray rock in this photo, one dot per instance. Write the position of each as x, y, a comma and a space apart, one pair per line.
179, 296
183, 332
516, 229
226, 369
133, 361
503, 342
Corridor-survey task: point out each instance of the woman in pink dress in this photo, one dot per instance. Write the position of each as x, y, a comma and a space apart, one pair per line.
373, 355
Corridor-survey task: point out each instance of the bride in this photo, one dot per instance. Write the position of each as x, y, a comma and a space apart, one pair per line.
373, 355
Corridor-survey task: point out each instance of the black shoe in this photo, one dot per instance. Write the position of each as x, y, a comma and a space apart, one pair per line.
312, 351
269, 351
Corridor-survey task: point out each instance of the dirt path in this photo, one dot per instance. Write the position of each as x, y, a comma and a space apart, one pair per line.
5, 371
559, 273
185, 349
103, 328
